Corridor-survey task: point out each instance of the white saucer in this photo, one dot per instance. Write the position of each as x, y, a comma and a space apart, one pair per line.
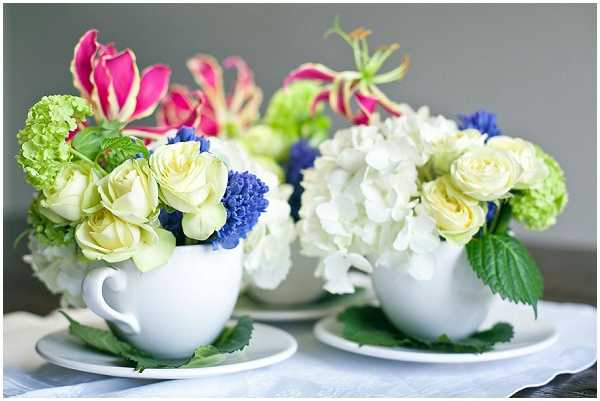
310, 311
269, 345
530, 336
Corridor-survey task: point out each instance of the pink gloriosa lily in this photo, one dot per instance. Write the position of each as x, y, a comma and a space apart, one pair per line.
110, 81
339, 88
210, 110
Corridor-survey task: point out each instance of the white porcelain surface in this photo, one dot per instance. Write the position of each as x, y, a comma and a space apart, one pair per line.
268, 346
171, 310
299, 287
453, 302
530, 336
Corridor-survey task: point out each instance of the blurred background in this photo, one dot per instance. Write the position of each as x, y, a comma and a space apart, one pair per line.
533, 65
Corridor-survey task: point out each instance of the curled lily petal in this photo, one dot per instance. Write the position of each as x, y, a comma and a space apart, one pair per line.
248, 112
310, 71
103, 95
152, 133
206, 72
321, 97
81, 65
125, 82
367, 105
153, 86
244, 84
176, 106
393, 108
339, 97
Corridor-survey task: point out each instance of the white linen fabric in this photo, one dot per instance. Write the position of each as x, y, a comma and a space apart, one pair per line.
317, 370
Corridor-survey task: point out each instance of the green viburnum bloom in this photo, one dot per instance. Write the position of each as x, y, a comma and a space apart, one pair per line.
44, 151
47, 227
538, 207
289, 112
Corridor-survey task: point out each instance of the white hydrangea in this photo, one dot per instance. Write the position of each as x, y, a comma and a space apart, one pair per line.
360, 204
267, 256
61, 269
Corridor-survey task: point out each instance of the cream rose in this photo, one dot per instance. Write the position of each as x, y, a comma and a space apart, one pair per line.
130, 192
485, 174
448, 148
457, 217
193, 183
533, 169
73, 193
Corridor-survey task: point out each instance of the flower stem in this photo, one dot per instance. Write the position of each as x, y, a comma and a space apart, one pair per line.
88, 161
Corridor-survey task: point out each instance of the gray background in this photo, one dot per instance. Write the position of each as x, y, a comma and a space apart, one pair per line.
534, 65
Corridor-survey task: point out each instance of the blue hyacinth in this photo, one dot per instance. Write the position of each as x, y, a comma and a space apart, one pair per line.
302, 156
482, 120
244, 200
491, 212
172, 222
186, 134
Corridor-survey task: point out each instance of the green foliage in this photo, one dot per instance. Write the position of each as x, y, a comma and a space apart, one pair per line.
115, 150
368, 325
230, 340
46, 231
289, 113
44, 151
538, 207
88, 141
503, 264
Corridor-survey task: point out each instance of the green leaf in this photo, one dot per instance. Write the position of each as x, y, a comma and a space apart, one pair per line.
231, 339
504, 265
368, 325
115, 150
89, 140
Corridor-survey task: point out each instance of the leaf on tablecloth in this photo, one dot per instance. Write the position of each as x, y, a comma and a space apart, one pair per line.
368, 325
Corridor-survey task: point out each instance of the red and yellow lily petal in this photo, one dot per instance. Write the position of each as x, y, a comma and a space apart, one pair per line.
153, 87
176, 106
125, 82
81, 65
318, 99
207, 73
311, 72
244, 88
367, 105
150, 133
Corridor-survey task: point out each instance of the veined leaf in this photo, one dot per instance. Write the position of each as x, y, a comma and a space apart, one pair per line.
503, 264
115, 150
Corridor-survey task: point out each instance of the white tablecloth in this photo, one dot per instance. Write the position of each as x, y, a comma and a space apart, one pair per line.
316, 370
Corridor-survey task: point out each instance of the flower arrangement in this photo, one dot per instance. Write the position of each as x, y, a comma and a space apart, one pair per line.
389, 193
110, 192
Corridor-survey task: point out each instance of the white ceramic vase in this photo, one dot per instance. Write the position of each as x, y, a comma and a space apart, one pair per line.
453, 302
171, 310
299, 287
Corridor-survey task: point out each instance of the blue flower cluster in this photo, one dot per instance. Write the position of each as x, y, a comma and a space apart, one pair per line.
482, 120
172, 222
491, 212
244, 200
302, 156
186, 134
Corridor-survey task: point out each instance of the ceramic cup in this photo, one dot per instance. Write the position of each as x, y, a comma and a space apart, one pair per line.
171, 310
299, 287
453, 302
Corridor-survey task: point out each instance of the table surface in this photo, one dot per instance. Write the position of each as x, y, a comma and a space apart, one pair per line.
570, 276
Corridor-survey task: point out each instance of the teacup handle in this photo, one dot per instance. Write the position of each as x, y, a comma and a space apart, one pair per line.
94, 299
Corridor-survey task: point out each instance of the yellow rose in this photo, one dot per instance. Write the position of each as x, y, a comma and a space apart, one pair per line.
448, 148
485, 174
73, 193
457, 217
533, 169
105, 236
130, 192
193, 183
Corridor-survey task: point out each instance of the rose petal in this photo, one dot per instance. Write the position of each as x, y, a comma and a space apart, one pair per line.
81, 65
153, 86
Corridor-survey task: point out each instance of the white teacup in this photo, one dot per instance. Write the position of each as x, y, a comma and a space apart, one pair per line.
173, 309
299, 287
454, 302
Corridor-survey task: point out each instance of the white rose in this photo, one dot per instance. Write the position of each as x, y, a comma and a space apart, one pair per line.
130, 192
533, 170
485, 174
193, 183
73, 193
457, 217
448, 148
